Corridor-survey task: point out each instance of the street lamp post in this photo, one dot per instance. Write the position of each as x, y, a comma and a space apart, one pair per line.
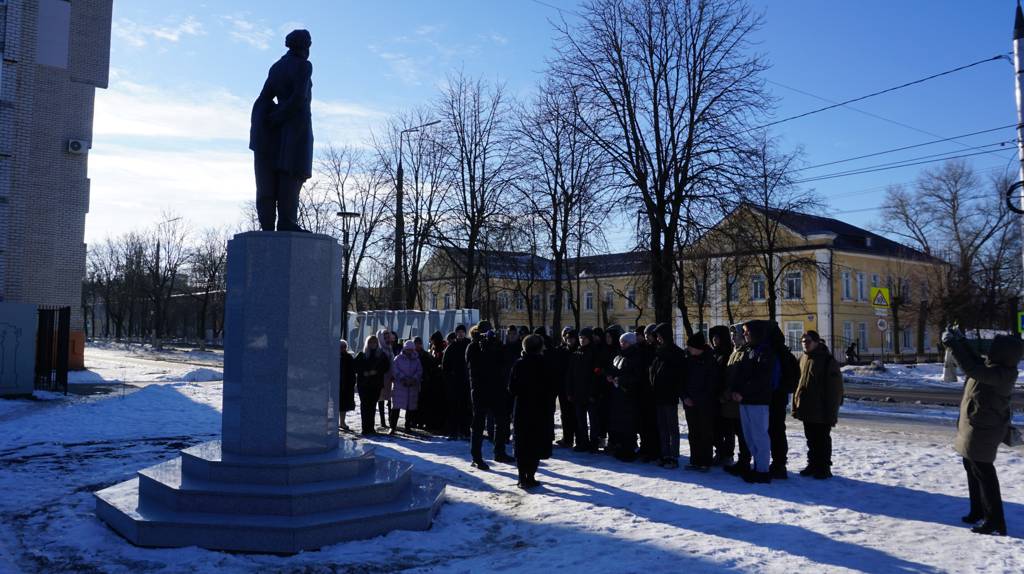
397, 295
346, 251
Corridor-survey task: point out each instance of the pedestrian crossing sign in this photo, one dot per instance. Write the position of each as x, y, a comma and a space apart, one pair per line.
880, 297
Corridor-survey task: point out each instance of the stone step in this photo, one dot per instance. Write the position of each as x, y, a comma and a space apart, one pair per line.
207, 461
155, 526
164, 484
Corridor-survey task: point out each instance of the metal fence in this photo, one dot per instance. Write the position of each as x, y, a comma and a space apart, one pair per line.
53, 345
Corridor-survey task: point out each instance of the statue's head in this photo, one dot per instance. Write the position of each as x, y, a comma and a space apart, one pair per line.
299, 41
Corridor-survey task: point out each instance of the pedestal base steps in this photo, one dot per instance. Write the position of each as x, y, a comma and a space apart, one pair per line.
222, 501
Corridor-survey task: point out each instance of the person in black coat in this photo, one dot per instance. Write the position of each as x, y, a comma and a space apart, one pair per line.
533, 394
456, 384
668, 371
789, 376
700, 402
724, 429
627, 374
281, 135
647, 417
584, 383
347, 382
487, 392
370, 365
559, 358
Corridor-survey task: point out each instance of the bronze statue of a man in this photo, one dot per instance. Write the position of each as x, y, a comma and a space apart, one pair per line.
281, 135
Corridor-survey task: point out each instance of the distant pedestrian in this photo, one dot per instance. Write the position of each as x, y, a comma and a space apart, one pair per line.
346, 383
699, 401
667, 376
371, 365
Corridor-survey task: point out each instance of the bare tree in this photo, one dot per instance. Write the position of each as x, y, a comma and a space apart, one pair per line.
207, 278
475, 134
671, 85
166, 254
564, 176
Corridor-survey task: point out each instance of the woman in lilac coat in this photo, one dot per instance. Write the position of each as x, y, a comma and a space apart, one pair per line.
408, 372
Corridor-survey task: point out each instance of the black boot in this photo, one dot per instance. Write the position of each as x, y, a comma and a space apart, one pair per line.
383, 419
990, 527
778, 471
973, 518
394, 421
480, 464
738, 469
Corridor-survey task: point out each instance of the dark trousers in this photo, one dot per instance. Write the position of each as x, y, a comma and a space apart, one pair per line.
819, 444
501, 424
527, 467
276, 190
734, 428
368, 406
700, 435
777, 428
983, 486
647, 419
568, 415
457, 398
586, 434
725, 437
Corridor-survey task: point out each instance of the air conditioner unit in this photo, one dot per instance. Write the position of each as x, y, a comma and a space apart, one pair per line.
78, 146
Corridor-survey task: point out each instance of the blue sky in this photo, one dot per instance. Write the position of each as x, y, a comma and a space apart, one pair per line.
171, 130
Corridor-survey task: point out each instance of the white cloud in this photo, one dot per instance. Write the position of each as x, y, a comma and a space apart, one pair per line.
244, 30
138, 35
130, 109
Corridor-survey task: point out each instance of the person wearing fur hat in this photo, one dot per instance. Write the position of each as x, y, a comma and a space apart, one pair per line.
584, 391
487, 394
626, 375
408, 378
530, 386
985, 415
560, 358
667, 376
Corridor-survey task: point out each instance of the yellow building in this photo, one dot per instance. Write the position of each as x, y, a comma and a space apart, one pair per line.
820, 270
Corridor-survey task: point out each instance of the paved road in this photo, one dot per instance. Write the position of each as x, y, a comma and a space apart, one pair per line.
949, 397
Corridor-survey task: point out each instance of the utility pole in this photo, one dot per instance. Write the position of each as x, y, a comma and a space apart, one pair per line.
1018, 67
397, 291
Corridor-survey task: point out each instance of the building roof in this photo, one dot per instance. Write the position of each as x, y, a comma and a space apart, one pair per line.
847, 237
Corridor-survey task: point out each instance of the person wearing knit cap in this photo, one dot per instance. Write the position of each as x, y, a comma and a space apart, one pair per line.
667, 373
724, 429
533, 395
757, 374
699, 401
625, 375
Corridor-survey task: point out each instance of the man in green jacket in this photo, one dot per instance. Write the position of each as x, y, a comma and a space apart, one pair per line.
816, 401
984, 419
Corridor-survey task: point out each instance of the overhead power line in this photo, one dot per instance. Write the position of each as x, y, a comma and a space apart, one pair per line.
891, 166
880, 92
904, 148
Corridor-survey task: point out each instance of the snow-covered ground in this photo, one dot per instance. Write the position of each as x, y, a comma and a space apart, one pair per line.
894, 505
912, 376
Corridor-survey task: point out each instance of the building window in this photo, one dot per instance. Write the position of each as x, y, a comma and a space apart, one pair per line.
535, 302
53, 33
847, 332
503, 301
862, 288
794, 285
847, 287
733, 289
862, 336
609, 298
3, 26
905, 291
631, 299
520, 303
588, 301
447, 300
874, 279
794, 330
906, 339
568, 301
757, 288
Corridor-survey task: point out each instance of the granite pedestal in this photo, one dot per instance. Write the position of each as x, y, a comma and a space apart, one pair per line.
279, 480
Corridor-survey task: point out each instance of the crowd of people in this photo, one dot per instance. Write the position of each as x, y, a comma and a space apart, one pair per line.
618, 393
